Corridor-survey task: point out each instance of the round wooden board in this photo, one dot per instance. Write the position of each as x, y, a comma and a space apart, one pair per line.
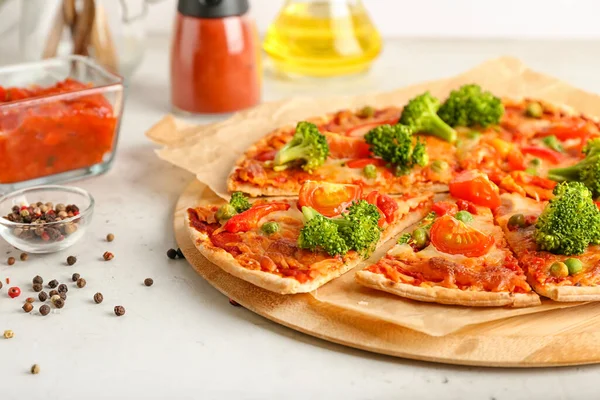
555, 338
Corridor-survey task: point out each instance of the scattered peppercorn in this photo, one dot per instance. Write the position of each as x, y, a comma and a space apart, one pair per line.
62, 288
27, 307
108, 256
110, 237
8, 334
10, 261
0, 284
54, 298
38, 279
53, 283
75, 277
53, 292
98, 298
59, 303
119, 311
62, 295
24, 256
45, 309
35, 369
37, 287
234, 303
30, 299
148, 281
180, 253
81, 283
172, 254
43, 296
71, 260
14, 292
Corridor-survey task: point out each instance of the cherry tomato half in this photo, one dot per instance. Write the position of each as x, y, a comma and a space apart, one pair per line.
475, 186
330, 199
445, 207
452, 236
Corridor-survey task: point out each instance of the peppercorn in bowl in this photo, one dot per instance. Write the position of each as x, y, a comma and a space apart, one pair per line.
45, 219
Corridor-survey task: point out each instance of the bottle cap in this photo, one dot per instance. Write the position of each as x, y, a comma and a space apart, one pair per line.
212, 8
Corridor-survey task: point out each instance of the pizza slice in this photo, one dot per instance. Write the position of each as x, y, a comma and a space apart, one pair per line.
556, 241
456, 255
294, 246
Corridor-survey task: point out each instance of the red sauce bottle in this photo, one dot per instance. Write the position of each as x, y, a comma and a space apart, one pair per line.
215, 58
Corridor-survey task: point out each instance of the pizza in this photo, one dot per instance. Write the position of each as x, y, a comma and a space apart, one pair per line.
326, 192
262, 243
456, 255
560, 277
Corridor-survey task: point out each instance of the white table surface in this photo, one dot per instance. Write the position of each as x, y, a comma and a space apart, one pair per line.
181, 339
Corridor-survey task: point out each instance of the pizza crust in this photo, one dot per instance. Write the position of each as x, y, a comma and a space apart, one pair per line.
568, 293
442, 295
276, 283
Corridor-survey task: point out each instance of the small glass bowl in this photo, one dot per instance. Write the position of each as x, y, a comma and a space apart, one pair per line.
47, 237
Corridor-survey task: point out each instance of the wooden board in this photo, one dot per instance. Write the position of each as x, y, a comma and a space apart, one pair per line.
556, 338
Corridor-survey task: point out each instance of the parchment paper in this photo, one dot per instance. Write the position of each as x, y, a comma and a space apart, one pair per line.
210, 151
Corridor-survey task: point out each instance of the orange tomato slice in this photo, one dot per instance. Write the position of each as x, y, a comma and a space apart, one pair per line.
452, 236
475, 186
330, 199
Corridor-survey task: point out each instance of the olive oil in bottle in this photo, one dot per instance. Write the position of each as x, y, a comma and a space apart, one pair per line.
322, 38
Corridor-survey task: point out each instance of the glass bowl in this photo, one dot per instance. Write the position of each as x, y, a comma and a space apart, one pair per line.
45, 237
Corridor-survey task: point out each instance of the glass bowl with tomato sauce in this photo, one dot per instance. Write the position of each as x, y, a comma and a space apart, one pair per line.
59, 120
36, 235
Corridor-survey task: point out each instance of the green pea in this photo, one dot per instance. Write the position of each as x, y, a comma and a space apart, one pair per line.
535, 162
420, 238
575, 266
473, 135
439, 166
370, 171
517, 220
559, 269
270, 227
464, 216
366, 112
225, 212
534, 110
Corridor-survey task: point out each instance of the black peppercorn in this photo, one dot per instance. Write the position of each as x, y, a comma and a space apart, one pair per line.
10, 261
53, 292
75, 277
234, 303
62, 295
38, 279
53, 283
62, 288
148, 281
119, 311
59, 303
98, 298
27, 307
37, 287
24, 256
81, 283
45, 309
43, 296
180, 253
71, 260
172, 254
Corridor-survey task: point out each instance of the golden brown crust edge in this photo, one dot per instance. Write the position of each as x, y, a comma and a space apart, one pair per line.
567, 293
436, 294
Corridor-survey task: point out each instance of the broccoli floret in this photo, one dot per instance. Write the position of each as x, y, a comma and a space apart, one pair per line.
355, 230
239, 202
471, 106
421, 114
308, 148
396, 145
586, 171
570, 221
269, 228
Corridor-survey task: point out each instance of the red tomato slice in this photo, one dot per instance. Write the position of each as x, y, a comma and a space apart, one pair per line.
445, 207
347, 147
546, 154
452, 236
387, 206
567, 129
373, 198
330, 199
363, 162
474, 186
266, 155
361, 130
464, 205
248, 220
